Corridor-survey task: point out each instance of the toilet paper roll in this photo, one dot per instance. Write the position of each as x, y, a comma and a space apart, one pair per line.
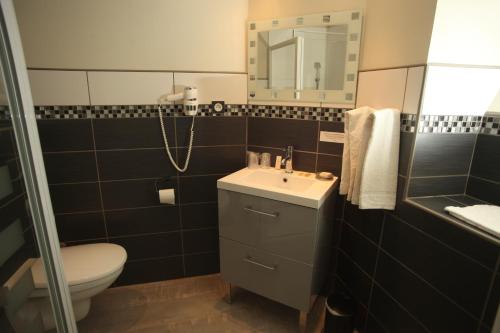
167, 196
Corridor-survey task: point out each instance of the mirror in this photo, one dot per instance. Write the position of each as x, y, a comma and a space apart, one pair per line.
309, 59
304, 58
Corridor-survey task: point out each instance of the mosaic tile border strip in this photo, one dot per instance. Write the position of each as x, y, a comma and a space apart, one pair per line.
205, 110
408, 122
297, 112
449, 124
490, 125
128, 111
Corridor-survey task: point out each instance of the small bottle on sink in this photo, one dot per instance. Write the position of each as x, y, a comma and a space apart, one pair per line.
277, 164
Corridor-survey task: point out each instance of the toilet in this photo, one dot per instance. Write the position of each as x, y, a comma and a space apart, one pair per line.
89, 269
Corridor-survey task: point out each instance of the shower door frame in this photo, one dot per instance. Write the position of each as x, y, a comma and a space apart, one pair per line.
15, 76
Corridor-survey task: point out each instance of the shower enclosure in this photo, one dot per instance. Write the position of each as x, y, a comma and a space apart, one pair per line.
27, 226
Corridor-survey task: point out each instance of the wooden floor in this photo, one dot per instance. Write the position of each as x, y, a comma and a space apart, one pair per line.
191, 305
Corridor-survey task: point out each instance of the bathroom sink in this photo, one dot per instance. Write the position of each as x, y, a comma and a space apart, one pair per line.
300, 188
280, 179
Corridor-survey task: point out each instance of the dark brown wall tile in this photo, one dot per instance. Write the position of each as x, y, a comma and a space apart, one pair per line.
212, 131
142, 220
279, 133
65, 135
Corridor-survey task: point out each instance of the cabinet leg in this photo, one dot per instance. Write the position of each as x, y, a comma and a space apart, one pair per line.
228, 293
302, 321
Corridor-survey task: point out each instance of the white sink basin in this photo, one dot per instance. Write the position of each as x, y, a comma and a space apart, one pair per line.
299, 188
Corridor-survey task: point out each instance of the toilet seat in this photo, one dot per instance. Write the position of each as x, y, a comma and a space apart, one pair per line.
85, 264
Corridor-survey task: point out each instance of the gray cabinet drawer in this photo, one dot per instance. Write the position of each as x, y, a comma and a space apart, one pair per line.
272, 276
280, 228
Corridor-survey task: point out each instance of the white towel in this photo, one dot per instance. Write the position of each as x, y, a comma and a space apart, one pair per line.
483, 216
379, 176
355, 128
370, 158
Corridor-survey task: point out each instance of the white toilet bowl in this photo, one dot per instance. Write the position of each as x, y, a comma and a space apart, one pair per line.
89, 270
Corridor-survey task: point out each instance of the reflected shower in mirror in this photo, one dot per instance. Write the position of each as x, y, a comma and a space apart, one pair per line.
309, 58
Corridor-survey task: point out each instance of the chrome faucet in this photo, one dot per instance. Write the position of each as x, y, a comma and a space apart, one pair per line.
288, 157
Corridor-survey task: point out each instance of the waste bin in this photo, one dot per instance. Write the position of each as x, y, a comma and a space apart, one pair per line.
339, 314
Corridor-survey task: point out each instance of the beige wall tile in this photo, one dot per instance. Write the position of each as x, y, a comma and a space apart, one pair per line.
230, 88
59, 87
382, 89
413, 89
115, 88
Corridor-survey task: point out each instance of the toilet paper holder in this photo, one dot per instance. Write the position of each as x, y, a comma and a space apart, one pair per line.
158, 182
166, 193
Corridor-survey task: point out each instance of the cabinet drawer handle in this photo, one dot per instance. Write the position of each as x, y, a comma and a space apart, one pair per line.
251, 260
273, 215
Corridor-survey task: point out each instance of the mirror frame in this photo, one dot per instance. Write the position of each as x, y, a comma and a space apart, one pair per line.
352, 18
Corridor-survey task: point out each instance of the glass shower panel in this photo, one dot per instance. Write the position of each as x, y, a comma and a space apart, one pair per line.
17, 238
27, 228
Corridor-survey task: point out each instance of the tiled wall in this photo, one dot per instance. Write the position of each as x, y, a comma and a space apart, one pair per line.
103, 163
15, 221
409, 270
484, 178
441, 164
273, 135
103, 160
104, 154
453, 105
443, 154
102, 175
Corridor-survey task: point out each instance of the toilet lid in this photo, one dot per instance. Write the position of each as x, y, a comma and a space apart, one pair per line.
84, 263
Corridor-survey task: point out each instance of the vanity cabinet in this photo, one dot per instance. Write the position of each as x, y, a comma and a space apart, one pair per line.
276, 249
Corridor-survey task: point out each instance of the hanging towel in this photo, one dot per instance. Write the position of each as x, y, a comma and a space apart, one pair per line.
379, 174
486, 217
370, 158
356, 128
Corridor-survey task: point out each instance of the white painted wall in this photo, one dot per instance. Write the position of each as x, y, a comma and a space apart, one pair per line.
451, 90
466, 32
396, 32
193, 35
208, 35
268, 9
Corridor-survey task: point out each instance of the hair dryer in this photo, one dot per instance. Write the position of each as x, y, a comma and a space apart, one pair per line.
190, 97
